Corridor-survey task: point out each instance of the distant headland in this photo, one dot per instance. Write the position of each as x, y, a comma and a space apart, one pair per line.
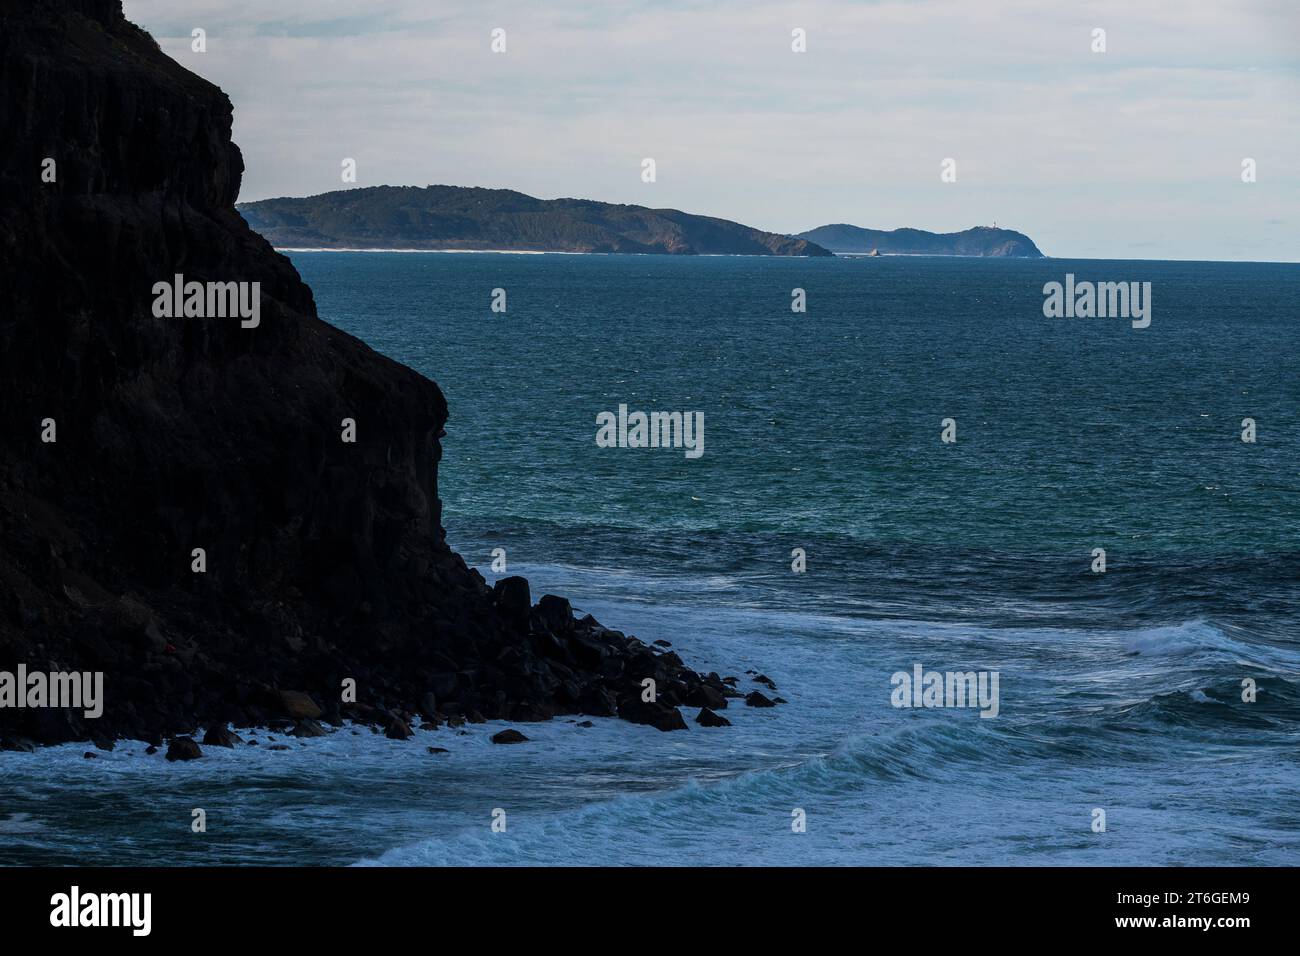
461, 218
468, 218
846, 240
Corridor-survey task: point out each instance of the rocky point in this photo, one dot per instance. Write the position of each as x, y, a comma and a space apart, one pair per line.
178, 510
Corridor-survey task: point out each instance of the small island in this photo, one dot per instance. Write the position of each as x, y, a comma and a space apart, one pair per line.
845, 240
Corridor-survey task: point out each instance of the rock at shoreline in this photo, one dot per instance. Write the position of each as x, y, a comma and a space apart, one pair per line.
658, 714
429, 708
509, 736
707, 718
183, 748
218, 735
299, 706
704, 695
512, 599
755, 699
308, 728
200, 532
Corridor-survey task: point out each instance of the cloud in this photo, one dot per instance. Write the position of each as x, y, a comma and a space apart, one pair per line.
1090, 154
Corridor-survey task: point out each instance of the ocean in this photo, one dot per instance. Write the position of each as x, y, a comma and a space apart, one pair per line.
1121, 692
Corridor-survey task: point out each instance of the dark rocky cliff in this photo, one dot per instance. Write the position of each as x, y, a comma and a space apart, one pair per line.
325, 560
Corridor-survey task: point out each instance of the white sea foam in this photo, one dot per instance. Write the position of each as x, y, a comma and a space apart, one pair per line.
1184, 638
877, 785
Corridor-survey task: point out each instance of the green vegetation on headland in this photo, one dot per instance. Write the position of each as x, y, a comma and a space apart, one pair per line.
457, 217
471, 218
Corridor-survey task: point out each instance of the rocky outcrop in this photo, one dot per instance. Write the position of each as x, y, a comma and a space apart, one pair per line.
707, 718
183, 748
220, 736
459, 217
179, 509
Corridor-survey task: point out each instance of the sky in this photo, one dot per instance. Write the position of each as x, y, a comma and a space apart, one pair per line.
1135, 152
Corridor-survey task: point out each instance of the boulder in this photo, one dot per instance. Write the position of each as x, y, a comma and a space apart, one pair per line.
707, 718
183, 748
429, 706
307, 728
299, 705
218, 735
512, 598
657, 714
702, 695
555, 613
597, 702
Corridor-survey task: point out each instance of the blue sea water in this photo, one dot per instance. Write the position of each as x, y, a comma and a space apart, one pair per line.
1119, 691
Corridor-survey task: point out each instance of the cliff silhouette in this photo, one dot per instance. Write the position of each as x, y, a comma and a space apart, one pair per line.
325, 560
